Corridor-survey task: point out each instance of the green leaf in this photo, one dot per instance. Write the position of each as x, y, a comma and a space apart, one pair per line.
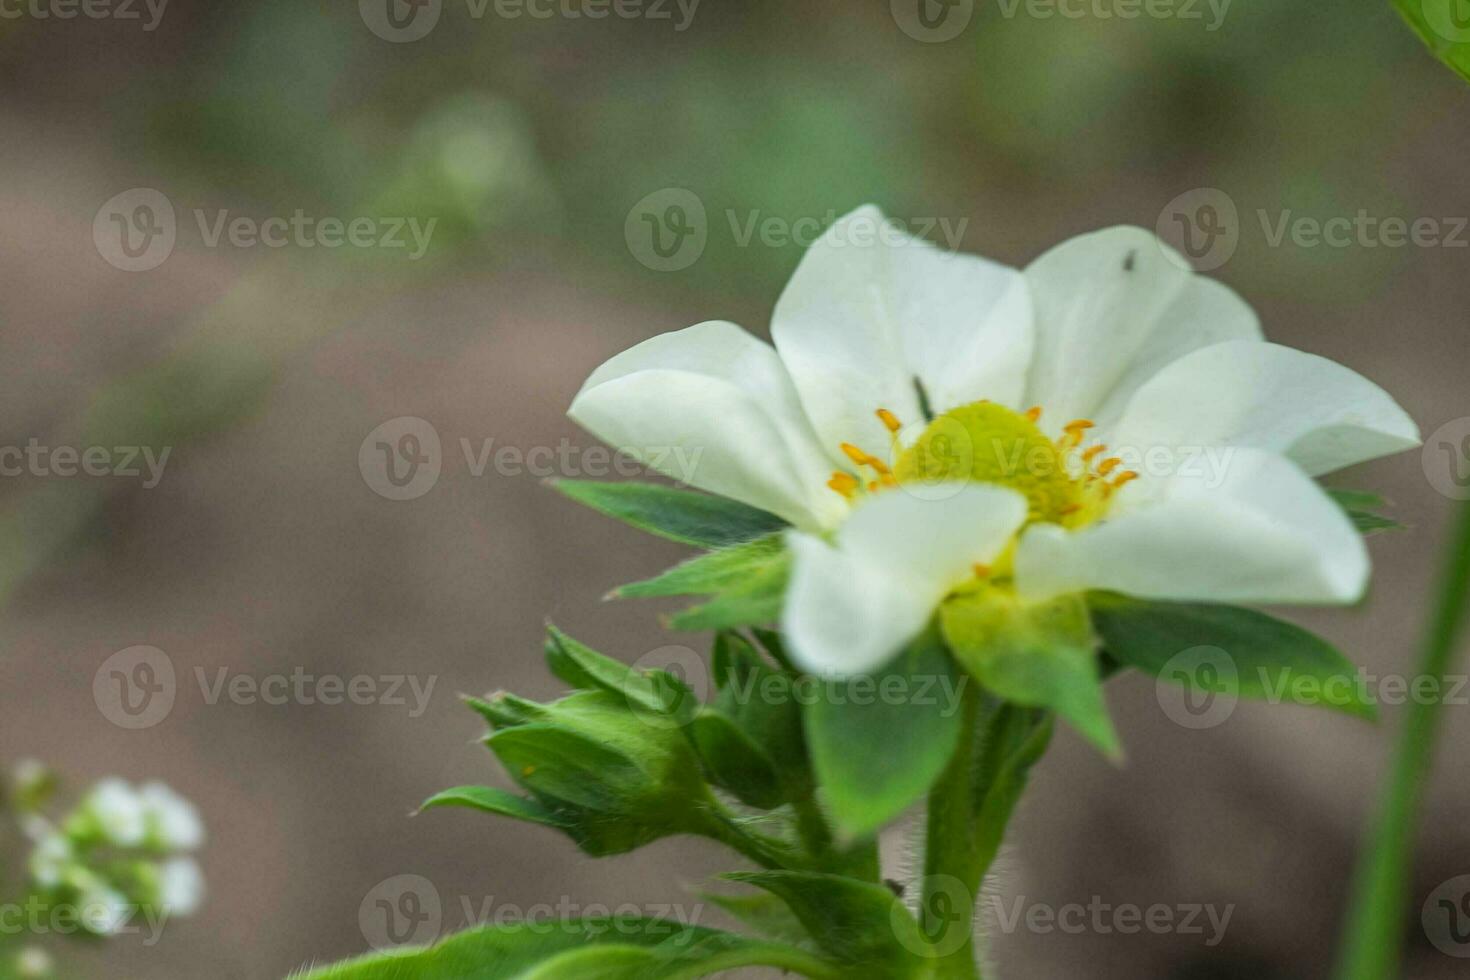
1268, 658
1441, 25
861, 925
593, 948
763, 703
1362, 507
879, 741
1041, 655
712, 572
679, 515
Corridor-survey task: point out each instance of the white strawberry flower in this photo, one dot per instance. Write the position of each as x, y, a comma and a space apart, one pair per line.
118, 811
927, 419
180, 886
173, 821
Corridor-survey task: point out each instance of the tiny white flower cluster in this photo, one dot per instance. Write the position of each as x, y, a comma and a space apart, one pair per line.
122, 849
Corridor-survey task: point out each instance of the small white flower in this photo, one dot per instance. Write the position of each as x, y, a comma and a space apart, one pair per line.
119, 812
172, 820
50, 859
1105, 341
180, 886
103, 910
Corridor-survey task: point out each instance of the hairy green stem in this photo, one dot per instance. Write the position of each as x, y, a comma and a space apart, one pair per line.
1374, 936
951, 867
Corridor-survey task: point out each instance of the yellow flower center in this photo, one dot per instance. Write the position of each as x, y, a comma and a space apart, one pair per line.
984, 442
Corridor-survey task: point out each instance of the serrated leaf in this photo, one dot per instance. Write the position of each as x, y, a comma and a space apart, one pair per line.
857, 923
878, 742
1042, 655
1269, 658
679, 515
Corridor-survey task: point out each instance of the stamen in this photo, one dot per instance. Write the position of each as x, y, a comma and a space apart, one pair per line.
981, 571
1077, 425
1070, 509
1092, 452
854, 453
1033, 413
1108, 465
889, 420
844, 483
1127, 476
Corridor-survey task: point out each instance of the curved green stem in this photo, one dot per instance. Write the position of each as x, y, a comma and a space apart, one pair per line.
952, 868
1374, 931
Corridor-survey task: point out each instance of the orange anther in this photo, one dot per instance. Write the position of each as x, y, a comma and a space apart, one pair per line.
889, 420
1108, 465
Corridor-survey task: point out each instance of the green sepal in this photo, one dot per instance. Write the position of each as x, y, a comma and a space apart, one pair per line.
656, 692
1041, 655
873, 754
1362, 509
710, 573
1266, 655
733, 761
679, 515
755, 600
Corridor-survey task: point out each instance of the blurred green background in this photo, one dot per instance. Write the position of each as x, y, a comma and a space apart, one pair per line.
530, 141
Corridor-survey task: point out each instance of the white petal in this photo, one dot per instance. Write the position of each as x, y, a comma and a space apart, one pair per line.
1319, 413
870, 308
852, 607
1262, 532
712, 406
1112, 308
